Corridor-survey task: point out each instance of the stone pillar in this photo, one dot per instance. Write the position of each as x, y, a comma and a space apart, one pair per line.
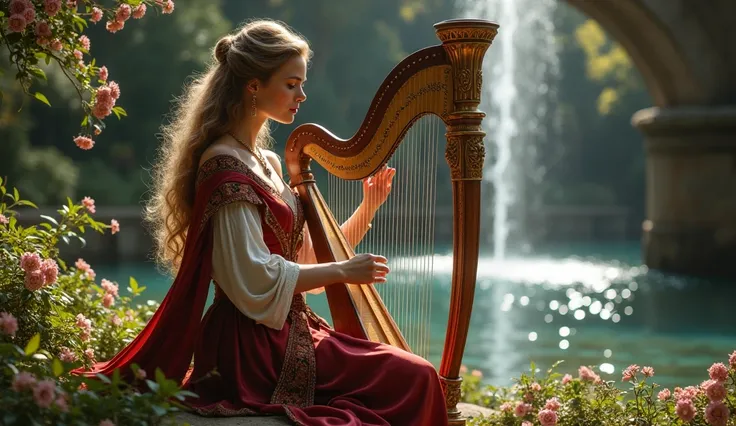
691, 190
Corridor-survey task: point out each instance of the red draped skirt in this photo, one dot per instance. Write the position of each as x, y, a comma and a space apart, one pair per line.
238, 364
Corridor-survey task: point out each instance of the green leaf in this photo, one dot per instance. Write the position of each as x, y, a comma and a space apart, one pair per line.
133, 284
57, 368
38, 72
50, 219
103, 378
27, 203
85, 121
42, 98
16, 195
152, 385
118, 110
33, 344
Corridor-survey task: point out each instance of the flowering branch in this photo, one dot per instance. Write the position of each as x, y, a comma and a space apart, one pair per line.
46, 30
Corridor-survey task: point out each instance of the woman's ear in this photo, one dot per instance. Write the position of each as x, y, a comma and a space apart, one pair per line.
252, 86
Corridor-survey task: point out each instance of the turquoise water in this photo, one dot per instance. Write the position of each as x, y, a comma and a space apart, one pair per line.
589, 305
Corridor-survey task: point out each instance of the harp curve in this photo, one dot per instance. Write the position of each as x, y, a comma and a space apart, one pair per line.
443, 80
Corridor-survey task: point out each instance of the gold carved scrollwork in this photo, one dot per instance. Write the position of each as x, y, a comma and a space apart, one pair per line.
464, 81
465, 155
452, 155
452, 390
467, 34
475, 154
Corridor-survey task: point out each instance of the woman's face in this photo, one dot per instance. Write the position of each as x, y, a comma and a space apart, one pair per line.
280, 97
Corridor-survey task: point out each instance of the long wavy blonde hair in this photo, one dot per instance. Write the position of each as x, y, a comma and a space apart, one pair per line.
210, 105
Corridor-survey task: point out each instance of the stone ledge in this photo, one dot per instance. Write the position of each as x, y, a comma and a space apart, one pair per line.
469, 410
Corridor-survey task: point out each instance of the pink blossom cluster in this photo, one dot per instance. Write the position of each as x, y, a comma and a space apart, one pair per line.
587, 375
3, 219
716, 412
66, 354
22, 14
38, 273
114, 226
8, 324
105, 99
89, 204
85, 324
111, 292
85, 269
44, 391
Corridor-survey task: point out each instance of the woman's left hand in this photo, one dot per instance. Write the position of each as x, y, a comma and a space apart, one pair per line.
377, 187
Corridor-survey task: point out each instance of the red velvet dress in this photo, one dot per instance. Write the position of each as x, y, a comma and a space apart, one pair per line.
306, 371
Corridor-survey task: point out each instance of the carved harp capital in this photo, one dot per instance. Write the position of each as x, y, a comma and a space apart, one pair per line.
465, 155
466, 42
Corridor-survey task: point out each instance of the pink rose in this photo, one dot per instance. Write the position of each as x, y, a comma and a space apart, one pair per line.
84, 142
89, 204
106, 422
552, 404
123, 12
50, 271
23, 380
648, 371
732, 360
715, 391
139, 11
52, 7
114, 226
522, 409
17, 7
547, 418
16, 23
664, 395
716, 413
718, 372
3, 220
108, 300
8, 324
84, 41
81, 265
30, 261
44, 393
66, 355
103, 72
536, 387
34, 280
96, 15
506, 407
685, 410
566, 379
168, 7
587, 375
29, 14
43, 29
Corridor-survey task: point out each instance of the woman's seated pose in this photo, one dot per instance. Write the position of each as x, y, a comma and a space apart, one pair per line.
222, 213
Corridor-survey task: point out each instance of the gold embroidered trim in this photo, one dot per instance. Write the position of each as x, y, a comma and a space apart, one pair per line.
220, 410
299, 373
227, 193
220, 163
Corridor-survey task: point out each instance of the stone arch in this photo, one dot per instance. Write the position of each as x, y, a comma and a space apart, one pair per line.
652, 47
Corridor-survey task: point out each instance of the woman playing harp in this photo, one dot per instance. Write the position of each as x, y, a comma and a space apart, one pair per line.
223, 213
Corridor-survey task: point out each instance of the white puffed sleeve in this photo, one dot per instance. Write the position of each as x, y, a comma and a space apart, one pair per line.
260, 284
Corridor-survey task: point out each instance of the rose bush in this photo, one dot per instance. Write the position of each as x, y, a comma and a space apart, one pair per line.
55, 317
557, 400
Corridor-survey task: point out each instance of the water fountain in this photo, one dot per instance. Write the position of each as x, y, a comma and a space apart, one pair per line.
519, 76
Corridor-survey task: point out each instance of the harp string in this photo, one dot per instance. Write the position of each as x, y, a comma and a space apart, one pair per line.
403, 229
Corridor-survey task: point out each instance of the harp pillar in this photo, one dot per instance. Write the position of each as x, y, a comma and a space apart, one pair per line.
466, 42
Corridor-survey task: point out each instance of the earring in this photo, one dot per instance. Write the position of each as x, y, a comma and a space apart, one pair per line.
253, 110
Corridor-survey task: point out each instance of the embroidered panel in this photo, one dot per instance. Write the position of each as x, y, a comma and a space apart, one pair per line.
220, 163
227, 193
220, 411
299, 373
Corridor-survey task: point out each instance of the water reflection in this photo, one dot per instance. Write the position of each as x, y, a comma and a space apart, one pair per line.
598, 311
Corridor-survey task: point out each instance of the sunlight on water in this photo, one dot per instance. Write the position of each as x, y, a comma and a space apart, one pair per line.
588, 310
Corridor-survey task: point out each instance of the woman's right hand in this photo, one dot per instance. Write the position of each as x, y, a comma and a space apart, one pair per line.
364, 269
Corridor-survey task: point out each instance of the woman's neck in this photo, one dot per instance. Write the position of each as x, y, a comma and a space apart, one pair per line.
246, 131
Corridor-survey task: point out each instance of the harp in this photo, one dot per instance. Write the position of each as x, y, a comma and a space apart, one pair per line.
433, 91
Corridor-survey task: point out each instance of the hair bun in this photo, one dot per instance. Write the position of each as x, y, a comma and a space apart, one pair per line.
222, 48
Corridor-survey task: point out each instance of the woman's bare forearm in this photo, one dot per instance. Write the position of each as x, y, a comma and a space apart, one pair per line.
358, 224
313, 276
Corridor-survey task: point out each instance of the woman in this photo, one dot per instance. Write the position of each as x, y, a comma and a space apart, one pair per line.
223, 213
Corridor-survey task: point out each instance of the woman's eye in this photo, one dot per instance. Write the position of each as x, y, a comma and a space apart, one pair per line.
291, 86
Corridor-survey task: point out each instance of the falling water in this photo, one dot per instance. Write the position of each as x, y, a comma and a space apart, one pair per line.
519, 73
